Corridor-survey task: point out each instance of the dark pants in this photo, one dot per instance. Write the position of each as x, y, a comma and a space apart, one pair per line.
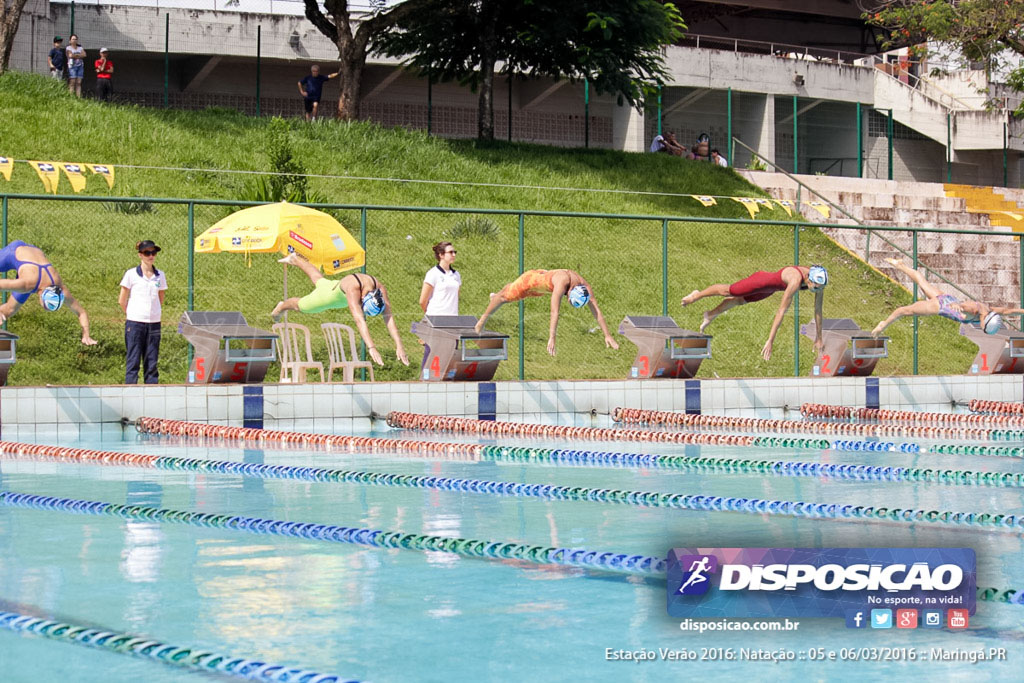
104, 88
142, 341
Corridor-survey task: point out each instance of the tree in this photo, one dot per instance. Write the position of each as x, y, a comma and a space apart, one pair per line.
981, 30
10, 17
353, 43
615, 44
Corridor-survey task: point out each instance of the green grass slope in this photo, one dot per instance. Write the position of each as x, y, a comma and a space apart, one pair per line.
92, 243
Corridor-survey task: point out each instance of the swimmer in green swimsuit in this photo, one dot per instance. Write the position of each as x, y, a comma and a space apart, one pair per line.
362, 294
937, 303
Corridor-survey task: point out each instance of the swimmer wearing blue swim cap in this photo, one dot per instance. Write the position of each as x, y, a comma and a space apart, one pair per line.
988, 318
35, 273
556, 283
761, 285
364, 295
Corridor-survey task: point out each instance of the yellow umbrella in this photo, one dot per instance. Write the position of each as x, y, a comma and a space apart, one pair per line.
283, 228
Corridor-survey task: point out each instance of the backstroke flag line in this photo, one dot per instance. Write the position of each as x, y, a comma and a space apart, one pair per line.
47, 174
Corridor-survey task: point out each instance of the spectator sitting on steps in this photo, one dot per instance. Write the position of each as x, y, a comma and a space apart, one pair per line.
668, 143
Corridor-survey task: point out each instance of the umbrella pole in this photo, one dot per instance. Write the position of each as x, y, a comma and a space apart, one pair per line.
285, 265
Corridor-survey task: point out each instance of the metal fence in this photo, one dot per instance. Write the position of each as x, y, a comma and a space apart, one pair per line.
637, 265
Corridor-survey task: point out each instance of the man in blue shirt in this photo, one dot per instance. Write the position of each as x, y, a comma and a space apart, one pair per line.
57, 59
311, 88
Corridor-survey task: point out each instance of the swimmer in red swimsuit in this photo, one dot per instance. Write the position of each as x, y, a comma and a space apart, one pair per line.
560, 283
762, 285
936, 303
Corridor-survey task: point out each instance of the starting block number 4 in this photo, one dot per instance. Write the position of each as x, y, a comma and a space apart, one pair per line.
435, 368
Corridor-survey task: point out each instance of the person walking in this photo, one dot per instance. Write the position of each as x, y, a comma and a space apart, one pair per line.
75, 54
440, 292
104, 72
57, 59
311, 88
142, 297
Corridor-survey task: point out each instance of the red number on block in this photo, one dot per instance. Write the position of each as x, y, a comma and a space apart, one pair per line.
984, 362
827, 359
200, 368
471, 370
680, 367
645, 364
238, 372
1013, 364
435, 366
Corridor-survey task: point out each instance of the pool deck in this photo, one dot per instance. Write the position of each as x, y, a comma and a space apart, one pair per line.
334, 407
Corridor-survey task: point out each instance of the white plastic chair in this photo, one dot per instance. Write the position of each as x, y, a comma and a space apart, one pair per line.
334, 334
290, 352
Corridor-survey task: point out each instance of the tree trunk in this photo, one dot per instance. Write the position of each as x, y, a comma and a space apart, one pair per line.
488, 40
10, 16
351, 75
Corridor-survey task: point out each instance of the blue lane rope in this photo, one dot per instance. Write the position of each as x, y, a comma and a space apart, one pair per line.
181, 657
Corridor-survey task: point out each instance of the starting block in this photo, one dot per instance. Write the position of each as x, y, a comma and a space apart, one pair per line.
663, 348
227, 348
8, 343
453, 351
998, 354
847, 350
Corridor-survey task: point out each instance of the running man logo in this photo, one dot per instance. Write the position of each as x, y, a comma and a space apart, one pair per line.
696, 580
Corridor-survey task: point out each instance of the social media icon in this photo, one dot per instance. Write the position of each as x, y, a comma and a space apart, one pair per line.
881, 618
856, 618
931, 618
956, 618
906, 618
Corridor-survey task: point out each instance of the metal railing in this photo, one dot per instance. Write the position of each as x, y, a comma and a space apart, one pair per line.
781, 50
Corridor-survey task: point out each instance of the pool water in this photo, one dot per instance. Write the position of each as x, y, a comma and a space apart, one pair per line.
399, 615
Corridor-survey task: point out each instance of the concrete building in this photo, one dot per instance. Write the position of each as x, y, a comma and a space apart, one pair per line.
797, 104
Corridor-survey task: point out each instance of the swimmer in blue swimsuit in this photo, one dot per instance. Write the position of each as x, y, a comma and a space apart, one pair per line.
35, 273
945, 305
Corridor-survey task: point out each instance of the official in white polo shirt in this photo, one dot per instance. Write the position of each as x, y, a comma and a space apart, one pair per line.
440, 293
142, 298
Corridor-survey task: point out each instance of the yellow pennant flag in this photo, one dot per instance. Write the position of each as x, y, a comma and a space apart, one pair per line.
47, 173
74, 174
749, 204
824, 209
785, 204
6, 164
704, 199
106, 171
766, 203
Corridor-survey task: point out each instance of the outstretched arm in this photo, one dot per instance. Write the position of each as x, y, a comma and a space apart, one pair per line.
83, 317
819, 303
608, 339
389, 321
356, 307
787, 298
1005, 310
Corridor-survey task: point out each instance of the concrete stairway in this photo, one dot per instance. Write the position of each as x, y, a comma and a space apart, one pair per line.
985, 267
1001, 211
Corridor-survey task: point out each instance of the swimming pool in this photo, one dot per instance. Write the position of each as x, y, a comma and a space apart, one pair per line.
396, 614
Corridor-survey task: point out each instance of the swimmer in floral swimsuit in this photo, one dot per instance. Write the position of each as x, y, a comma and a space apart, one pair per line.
761, 285
945, 305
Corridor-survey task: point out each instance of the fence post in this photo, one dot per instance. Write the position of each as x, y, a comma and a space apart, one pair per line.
728, 129
1020, 267
259, 46
510, 106
664, 266
69, 33
860, 143
167, 59
522, 308
362, 243
949, 149
796, 303
659, 108
586, 112
796, 156
915, 299
3, 224
1005, 145
191, 269
430, 102
889, 132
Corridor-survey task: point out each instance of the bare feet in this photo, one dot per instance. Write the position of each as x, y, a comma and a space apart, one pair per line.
689, 298
291, 259
707, 321
279, 309
898, 262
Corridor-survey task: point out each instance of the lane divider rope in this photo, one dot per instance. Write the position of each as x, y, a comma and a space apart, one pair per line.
824, 410
666, 418
376, 538
997, 407
183, 657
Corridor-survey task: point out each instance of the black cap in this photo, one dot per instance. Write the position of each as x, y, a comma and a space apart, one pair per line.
58, 39
147, 245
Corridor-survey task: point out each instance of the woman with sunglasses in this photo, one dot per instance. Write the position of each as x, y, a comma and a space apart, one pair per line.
142, 298
440, 293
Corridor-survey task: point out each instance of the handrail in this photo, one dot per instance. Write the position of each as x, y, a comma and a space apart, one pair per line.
771, 47
868, 228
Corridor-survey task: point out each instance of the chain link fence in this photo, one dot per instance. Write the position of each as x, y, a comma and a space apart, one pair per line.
637, 265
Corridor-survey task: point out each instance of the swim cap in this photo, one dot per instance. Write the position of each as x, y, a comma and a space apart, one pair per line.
818, 275
52, 298
992, 323
373, 303
579, 296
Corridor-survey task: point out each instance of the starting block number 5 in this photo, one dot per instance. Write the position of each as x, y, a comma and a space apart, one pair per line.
237, 371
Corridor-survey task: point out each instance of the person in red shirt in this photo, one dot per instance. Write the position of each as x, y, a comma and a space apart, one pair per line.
104, 71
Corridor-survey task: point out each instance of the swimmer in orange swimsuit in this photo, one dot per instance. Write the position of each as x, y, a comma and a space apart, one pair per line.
557, 283
762, 285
